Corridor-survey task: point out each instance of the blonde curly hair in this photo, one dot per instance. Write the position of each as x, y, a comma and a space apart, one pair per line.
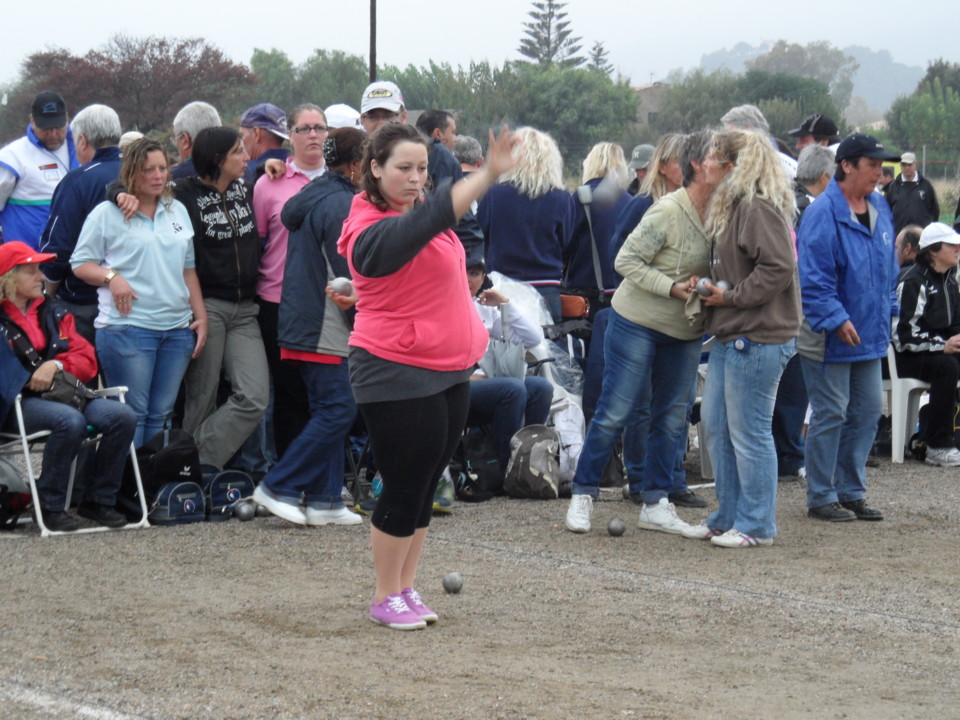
756, 173
539, 166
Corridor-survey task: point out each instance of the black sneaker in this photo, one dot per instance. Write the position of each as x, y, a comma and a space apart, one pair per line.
688, 498
59, 521
832, 512
861, 510
102, 514
366, 507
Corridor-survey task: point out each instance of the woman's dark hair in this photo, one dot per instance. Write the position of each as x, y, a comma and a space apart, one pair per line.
342, 147
135, 159
380, 147
923, 257
210, 149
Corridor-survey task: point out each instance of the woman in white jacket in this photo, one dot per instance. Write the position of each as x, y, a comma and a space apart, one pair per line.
506, 404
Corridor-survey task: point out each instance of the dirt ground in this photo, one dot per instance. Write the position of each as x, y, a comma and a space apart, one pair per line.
268, 620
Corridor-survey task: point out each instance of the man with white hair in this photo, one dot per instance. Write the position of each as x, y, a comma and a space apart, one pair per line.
749, 117
31, 167
192, 118
97, 131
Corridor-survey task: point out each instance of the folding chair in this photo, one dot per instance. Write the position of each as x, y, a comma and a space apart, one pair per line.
21, 444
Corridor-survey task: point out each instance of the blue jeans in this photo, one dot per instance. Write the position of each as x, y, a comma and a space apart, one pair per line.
648, 372
738, 404
789, 412
312, 466
68, 428
847, 399
506, 405
635, 451
151, 364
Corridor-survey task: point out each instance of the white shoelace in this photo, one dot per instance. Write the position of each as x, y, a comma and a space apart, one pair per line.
397, 604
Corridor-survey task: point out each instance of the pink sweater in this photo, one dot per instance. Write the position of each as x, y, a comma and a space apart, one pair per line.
269, 197
422, 314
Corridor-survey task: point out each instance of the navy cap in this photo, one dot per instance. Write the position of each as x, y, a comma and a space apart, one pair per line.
863, 145
266, 116
49, 111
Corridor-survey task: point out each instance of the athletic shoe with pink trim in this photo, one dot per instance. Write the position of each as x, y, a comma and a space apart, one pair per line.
733, 538
415, 603
395, 613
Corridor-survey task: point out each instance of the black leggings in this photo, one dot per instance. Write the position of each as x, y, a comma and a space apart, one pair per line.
413, 440
941, 371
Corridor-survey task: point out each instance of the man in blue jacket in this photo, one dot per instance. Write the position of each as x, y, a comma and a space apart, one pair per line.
848, 270
97, 131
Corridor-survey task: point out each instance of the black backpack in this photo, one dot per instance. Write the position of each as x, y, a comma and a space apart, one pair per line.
170, 456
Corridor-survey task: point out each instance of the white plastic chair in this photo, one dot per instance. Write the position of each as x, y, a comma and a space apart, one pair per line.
903, 399
21, 443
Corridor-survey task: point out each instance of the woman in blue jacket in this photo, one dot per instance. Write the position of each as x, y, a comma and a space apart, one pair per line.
313, 333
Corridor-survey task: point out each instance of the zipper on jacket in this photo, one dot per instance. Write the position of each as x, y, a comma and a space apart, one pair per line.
236, 239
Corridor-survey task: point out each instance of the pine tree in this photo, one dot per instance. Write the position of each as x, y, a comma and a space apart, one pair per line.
549, 40
599, 59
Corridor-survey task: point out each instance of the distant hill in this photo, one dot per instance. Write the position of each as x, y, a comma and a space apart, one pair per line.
879, 79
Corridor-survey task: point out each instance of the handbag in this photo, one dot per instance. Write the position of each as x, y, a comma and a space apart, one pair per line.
504, 358
66, 388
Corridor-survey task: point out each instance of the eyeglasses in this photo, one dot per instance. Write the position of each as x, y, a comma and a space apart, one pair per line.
306, 129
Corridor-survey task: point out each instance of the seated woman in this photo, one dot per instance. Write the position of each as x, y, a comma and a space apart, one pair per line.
927, 337
51, 330
506, 404
149, 297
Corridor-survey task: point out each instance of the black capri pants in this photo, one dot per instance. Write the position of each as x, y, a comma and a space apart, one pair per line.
413, 441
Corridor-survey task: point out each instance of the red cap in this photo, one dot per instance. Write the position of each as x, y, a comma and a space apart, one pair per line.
15, 253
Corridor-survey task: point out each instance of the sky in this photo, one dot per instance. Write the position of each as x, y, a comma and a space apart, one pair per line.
645, 41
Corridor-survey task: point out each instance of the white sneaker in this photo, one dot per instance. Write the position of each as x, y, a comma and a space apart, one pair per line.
944, 457
578, 514
733, 538
340, 516
663, 517
286, 510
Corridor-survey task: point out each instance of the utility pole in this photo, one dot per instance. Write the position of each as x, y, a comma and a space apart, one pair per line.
373, 40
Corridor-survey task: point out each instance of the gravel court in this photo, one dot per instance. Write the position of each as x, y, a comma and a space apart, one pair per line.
268, 620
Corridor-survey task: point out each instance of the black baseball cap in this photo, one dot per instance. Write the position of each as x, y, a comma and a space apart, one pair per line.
863, 145
49, 111
816, 124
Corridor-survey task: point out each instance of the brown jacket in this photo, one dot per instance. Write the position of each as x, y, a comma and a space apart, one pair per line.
756, 256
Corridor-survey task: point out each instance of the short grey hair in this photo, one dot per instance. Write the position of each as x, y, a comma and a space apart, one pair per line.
694, 149
194, 117
746, 117
99, 124
814, 161
467, 150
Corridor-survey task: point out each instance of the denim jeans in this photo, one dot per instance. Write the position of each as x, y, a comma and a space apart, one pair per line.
789, 413
645, 371
151, 364
635, 437
738, 404
68, 427
847, 399
312, 467
506, 405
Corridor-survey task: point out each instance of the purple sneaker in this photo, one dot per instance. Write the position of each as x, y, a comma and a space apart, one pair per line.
415, 603
394, 613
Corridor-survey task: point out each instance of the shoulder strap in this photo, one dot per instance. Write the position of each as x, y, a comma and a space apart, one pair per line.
585, 196
21, 343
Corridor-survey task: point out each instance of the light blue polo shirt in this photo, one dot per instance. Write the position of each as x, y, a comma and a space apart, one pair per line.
150, 254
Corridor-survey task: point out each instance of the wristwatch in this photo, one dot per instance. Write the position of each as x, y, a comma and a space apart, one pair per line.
59, 365
109, 276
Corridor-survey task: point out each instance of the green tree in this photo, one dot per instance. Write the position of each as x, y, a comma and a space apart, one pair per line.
276, 79
599, 59
817, 60
549, 39
333, 76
